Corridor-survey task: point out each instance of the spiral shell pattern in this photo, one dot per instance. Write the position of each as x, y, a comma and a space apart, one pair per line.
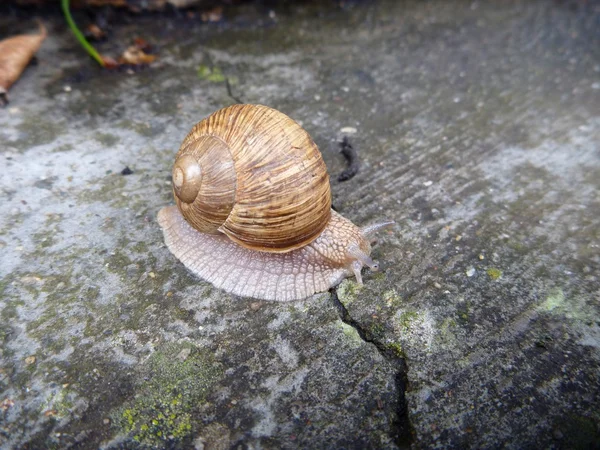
260, 179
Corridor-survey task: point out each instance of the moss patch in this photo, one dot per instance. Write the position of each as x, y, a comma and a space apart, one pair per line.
59, 404
408, 318
36, 130
106, 139
213, 74
347, 291
392, 299
493, 273
396, 349
174, 384
110, 191
350, 332
555, 299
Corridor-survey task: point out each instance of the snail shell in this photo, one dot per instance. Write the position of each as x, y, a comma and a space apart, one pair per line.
253, 209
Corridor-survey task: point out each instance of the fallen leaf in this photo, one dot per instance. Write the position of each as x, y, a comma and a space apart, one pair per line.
15, 54
142, 44
136, 56
213, 15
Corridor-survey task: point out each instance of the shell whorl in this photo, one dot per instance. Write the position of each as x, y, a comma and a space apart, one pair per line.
204, 183
260, 179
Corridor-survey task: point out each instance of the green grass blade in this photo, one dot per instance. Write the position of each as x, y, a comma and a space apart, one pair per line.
79, 35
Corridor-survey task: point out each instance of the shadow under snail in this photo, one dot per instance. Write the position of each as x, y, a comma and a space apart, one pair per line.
253, 209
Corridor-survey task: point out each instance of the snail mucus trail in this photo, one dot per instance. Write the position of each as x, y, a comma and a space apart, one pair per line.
253, 209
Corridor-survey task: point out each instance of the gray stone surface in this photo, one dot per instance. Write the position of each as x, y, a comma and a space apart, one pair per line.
478, 127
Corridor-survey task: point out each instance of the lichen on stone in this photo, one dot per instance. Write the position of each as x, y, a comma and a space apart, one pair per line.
494, 273
350, 332
347, 291
169, 392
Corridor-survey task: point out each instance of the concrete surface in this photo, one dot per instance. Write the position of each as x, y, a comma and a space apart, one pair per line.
478, 127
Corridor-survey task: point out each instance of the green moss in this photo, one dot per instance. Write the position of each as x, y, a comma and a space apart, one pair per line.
493, 273
61, 403
63, 148
117, 262
449, 323
463, 312
43, 239
49, 318
573, 307
555, 299
21, 379
377, 330
106, 139
392, 299
408, 318
47, 237
56, 345
166, 399
213, 74
350, 332
3, 284
36, 130
9, 311
347, 291
110, 191
446, 337
517, 246
396, 348
140, 247
378, 276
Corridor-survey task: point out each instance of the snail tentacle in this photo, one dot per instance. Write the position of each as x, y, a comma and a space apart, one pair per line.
369, 230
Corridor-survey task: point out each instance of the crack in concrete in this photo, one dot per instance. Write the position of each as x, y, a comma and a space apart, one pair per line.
404, 429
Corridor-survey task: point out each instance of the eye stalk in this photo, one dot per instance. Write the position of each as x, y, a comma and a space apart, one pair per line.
187, 178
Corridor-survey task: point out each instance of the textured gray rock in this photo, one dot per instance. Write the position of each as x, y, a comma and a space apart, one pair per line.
478, 128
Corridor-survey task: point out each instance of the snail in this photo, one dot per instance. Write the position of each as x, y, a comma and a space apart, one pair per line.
253, 209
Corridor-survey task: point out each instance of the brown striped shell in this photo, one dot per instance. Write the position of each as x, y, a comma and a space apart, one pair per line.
253, 174
249, 178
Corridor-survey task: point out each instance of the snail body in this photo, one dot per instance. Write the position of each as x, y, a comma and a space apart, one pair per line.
253, 209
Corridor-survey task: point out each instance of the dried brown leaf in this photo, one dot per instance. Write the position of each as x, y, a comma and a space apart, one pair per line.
213, 15
15, 54
142, 44
136, 56
109, 62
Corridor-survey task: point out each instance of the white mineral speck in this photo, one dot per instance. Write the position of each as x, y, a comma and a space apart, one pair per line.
470, 271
